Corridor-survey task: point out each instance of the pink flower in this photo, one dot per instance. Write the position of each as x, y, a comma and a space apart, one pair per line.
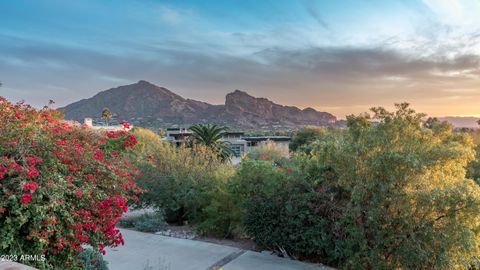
3, 170
32, 173
98, 155
77, 193
125, 124
112, 134
30, 186
130, 141
26, 198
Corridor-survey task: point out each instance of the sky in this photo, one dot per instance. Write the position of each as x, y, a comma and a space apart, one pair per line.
342, 57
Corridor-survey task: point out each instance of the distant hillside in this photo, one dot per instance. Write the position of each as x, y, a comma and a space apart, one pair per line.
146, 104
458, 121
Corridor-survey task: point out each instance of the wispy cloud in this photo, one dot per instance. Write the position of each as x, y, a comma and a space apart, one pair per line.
338, 56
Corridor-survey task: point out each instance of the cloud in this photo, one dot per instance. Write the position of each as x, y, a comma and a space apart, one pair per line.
455, 12
343, 79
170, 15
313, 11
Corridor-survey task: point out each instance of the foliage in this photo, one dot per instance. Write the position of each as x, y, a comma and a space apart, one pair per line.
211, 135
106, 115
150, 222
92, 260
61, 186
268, 151
178, 179
409, 205
295, 221
387, 196
221, 217
302, 139
473, 169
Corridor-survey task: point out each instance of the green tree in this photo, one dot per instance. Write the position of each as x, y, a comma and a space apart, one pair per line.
409, 205
177, 179
303, 138
106, 115
430, 122
211, 136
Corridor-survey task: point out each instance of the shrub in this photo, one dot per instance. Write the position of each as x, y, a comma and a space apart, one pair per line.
409, 205
296, 220
387, 196
150, 222
61, 186
268, 151
178, 179
253, 177
302, 139
92, 260
221, 217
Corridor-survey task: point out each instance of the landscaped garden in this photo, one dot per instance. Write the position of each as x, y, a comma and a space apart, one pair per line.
390, 195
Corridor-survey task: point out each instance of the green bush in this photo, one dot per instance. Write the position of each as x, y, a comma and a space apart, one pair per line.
387, 196
268, 151
223, 214
410, 205
150, 222
126, 222
92, 260
295, 220
177, 179
302, 139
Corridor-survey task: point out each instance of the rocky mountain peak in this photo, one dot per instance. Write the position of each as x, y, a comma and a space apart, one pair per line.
146, 104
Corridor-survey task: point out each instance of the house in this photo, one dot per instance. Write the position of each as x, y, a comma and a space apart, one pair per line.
88, 122
238, 142
281, 143
178, 135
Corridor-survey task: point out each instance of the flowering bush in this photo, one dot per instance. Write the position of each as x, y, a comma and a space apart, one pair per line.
61, 186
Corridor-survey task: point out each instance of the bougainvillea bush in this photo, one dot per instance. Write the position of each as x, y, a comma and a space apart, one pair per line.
61, 186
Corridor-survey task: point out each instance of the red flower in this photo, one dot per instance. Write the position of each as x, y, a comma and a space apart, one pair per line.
77, 193
98, 155
30, 186
130, 141
2, 172
112, 134
125, 124
33, 161
32, 173
26, 198
289, 170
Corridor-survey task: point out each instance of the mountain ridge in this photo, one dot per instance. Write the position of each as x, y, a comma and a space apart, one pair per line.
146, 104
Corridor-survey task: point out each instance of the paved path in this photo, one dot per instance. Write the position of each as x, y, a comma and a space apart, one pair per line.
143, 251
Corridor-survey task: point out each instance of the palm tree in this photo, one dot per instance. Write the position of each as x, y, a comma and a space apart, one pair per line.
106, 115
211, 135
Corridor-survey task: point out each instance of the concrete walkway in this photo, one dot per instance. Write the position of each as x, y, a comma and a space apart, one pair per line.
143, 251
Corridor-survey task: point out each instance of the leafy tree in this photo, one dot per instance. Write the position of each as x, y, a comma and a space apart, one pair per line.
106, 115
410, 205
430, 122
211, 135
178, 179
302, 140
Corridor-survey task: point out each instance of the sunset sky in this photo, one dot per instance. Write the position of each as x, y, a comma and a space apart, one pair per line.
337, 56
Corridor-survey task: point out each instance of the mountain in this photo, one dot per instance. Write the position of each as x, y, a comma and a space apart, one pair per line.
461, 121
146, 104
